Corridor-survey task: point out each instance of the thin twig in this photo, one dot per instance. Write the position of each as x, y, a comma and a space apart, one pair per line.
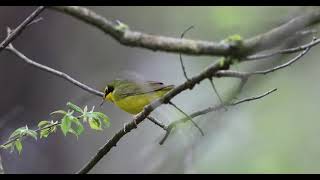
245, 75
17, 31
242, 84
35, 21
252, 98
188, 117
211, 109
183, 67
180, 56
52, 71
307, 32
166, 135
283, 65
215, 108
284, 51
216, 92
37, 130
157, 123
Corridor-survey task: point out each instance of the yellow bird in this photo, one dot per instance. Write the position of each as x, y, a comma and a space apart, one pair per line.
131, 96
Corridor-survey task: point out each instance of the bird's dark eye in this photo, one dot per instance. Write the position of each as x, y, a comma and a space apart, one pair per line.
109, 89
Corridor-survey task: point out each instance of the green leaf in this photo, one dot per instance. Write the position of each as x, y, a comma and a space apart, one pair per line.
16, 133
45, 133
42, 124
70, 113
78, 127
95, 124
19, 132
85, 109
32, 133
47, 128
74, 107
59, 112
18, 146
73, 132
65, 124
105, 118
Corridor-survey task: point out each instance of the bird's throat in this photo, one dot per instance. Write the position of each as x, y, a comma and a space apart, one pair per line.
110, 97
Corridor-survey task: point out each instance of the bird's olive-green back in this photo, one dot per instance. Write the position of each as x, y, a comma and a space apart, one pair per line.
124, 88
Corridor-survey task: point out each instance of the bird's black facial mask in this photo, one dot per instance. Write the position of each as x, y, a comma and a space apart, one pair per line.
108, 90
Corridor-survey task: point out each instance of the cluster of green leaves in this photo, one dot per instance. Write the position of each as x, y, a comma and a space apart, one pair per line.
71, 122
15, 138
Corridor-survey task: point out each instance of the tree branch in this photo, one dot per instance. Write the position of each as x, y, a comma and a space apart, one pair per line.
277, 35
215, 108
125, 36
282, 65
237, 74
17, 31
37, 130
209, 72
52, 71
172, 125
188, 118
284, 51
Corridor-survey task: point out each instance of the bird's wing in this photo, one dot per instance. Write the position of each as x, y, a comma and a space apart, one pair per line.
138, 88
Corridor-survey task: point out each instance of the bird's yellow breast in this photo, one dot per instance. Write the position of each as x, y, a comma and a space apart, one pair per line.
135, 104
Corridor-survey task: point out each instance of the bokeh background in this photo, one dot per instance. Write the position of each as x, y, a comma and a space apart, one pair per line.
277, 134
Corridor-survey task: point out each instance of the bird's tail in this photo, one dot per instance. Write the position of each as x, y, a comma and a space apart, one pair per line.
168, 88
